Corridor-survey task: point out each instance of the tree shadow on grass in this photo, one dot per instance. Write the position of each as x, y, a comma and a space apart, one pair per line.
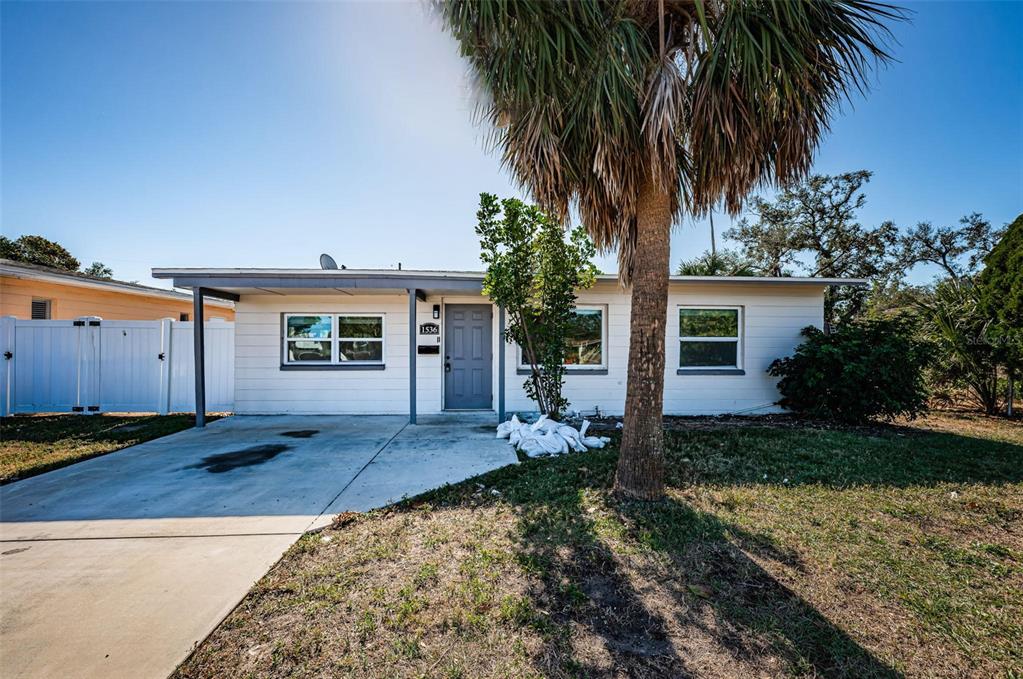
663, 590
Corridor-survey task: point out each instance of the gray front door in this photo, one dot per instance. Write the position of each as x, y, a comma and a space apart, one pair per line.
468, 355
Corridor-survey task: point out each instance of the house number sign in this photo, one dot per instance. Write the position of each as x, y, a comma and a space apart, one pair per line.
429, 329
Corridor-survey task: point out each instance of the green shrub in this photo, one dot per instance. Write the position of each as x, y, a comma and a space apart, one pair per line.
863, 370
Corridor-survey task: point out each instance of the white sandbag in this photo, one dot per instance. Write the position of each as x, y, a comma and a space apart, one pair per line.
548, 437
532, 447
571, 435
553, 444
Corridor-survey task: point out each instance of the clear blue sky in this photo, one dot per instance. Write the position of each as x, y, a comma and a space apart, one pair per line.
261, 134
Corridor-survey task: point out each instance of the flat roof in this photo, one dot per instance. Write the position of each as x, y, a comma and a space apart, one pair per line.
229, 283
49, 274
255, 278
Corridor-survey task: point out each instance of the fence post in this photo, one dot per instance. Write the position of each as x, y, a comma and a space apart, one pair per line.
163, 405
7, 368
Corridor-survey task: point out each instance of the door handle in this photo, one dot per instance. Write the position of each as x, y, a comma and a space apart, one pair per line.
447, 367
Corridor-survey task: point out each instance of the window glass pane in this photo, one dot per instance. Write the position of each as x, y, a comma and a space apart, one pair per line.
708, 322
360, 326
309, 326
583, 338
708, 354
308, 350
361, 350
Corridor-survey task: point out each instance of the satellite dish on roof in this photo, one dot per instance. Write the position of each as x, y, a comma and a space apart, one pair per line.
327, 262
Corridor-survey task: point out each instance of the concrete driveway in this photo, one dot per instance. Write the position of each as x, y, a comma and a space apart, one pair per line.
118, 566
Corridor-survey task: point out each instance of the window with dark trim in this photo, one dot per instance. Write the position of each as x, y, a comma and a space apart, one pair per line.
709, 337
585, 341
333, 339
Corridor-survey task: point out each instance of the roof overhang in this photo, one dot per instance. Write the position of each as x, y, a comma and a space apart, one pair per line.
320, 281
232, 282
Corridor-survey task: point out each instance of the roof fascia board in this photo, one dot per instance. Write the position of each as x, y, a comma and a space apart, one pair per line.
308, 282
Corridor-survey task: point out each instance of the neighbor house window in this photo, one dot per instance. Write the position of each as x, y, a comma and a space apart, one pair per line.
584, 340
40, 309
709, 337
333, 339
182, 317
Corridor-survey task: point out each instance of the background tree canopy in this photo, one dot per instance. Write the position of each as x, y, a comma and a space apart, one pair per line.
38, 250
45, 252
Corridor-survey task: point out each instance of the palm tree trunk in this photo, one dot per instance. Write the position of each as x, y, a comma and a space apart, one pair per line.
640, 472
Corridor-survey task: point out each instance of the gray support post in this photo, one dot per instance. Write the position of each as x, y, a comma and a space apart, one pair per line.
198, 339
412, 355
500, 364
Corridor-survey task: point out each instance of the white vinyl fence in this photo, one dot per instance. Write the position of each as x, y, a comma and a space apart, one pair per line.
91, 365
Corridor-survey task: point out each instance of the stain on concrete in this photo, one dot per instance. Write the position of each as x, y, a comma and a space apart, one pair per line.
246, 457
301, 433
15, 551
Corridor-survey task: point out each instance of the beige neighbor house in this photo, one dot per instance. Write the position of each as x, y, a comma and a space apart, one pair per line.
30, 291
346, 341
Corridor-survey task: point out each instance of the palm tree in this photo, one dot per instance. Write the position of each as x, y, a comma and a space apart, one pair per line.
635, 113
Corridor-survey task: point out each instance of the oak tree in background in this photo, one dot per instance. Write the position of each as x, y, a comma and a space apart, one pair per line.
534, 272
38, 250
811, 229
638, 113
948, 246
98, 270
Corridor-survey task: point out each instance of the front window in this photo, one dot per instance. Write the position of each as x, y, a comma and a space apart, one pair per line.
333, 339
584, 340
361, 339
709, 337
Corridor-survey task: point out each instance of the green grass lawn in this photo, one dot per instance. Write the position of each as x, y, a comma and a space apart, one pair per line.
779, 551
33, 444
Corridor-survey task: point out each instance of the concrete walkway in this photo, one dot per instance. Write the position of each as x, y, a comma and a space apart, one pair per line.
118, 566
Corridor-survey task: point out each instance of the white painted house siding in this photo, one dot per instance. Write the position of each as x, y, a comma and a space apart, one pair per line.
772, 317
264, 388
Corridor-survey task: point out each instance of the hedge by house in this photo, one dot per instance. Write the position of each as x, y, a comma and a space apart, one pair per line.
861, 371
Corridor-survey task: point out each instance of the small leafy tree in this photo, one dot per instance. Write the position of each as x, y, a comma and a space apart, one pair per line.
38, 250
533, 272
860, 371
98, 270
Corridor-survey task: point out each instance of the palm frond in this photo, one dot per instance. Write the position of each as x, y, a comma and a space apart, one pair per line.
587, 107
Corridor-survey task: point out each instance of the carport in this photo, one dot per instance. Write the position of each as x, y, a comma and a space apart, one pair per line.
231, 284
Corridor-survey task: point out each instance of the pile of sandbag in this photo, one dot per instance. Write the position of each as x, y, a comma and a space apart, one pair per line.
548, 437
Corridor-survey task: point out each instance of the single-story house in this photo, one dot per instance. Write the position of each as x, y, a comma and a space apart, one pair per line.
313, 341
32, 291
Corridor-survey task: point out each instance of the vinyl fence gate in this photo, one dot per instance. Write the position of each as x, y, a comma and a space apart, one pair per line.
89, 365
